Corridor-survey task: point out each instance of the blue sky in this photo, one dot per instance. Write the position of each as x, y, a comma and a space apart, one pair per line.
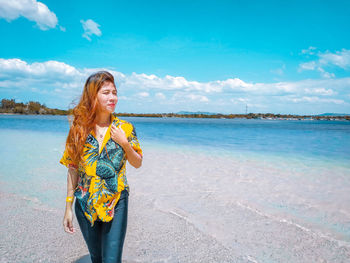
169, 56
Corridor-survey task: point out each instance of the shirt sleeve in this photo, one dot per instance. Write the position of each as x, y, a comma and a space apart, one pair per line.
67, 161
134, 142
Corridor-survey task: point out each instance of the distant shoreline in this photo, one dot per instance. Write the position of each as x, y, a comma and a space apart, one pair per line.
11, 107
261, 116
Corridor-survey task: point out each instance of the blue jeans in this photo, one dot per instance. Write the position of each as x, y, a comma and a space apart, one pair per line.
105, 240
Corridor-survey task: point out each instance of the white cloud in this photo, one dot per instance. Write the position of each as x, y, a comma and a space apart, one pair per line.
320, 91
307, 66
231, 85
21, 69
325, 74
64, 82
160, 95
30, 9
339, 59
239, 100
14, 70
90, 28
180, 97
196, 97
143, 94
57, 78
279, 71
310, 50
167, 83
316, 100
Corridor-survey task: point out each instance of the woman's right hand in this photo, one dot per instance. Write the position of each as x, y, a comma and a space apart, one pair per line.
68, 221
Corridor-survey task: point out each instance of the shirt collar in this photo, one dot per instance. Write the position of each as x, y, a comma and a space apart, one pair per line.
114, 120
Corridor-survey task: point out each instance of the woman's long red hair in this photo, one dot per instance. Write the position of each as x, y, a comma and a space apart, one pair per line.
84, 115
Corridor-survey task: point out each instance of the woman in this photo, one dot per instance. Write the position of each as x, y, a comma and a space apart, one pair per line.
97, 147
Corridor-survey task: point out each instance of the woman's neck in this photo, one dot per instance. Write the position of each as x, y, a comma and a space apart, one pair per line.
103, 119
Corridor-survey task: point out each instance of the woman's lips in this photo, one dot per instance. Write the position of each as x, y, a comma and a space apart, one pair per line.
112, 105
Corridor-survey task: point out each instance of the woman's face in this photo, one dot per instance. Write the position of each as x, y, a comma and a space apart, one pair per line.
107, 97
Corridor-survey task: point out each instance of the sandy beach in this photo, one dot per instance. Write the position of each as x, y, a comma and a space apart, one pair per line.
153, 236
190, 207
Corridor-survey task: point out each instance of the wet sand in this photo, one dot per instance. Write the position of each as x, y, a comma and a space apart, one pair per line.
189, 207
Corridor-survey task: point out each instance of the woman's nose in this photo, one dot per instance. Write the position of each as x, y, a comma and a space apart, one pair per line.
112, 97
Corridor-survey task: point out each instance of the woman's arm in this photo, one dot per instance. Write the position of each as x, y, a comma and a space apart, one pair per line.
134, 158
72, 181
118, 135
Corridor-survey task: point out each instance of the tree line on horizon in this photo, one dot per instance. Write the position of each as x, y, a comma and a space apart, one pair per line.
31, 107
34, 107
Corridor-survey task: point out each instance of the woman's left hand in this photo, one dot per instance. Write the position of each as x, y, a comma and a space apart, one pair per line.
118, 135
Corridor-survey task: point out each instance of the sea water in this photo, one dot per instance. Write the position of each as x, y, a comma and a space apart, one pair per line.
282, 171
31, 145
326, 140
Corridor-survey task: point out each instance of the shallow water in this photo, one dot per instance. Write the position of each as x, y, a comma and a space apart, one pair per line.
258, 210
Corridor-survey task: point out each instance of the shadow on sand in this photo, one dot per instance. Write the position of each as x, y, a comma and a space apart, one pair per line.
84, 259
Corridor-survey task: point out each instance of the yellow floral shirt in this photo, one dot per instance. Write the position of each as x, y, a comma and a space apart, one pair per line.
103, 177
